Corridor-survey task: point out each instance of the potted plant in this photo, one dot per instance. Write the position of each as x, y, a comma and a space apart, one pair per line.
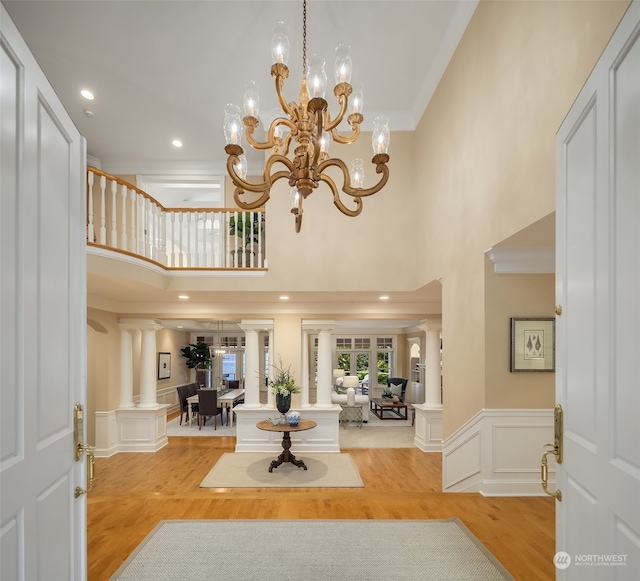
198, 357
282, 386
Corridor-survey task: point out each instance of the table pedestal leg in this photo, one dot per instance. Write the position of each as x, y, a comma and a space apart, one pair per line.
286, 456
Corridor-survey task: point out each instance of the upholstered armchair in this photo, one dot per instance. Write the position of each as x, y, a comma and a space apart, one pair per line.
397, 386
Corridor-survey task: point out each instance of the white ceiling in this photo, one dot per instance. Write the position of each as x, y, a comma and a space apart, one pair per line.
165, 69
162, 70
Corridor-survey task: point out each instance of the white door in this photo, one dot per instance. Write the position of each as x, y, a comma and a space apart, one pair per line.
598, 332
42, 323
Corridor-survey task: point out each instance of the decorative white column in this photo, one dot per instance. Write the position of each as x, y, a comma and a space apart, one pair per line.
325, 368
148, 381
305, 370
269, 372
126, 367
252, 360
432, 374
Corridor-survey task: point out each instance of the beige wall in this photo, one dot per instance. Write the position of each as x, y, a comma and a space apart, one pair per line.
103, 363
479, 168
506, 296
486, 166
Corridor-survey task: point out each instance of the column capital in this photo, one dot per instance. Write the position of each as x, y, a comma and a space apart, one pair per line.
139, 324
256, 324
318, 325
430, 325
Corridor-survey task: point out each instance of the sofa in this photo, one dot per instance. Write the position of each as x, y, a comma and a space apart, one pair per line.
339, 396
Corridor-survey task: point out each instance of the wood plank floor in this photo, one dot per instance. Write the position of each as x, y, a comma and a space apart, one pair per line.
133, 492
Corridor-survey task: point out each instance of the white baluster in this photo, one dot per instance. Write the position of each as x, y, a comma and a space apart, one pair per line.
260, 215
189, 249
196, 250
123, 232
251, 248
141, 232
174, 260
164, 259
218, 250
148, 223
157, 243
227, 241
180, 216
90, 231
210, 252
134, 221
235, 242
114, 231
204, 240
103, 217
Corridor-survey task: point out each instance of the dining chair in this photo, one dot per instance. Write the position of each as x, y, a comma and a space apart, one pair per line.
208, 407
183, 394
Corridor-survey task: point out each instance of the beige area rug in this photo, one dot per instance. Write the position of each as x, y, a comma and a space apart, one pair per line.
251, 470
312, 550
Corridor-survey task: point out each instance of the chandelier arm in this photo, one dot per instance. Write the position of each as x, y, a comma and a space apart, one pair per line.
256, 144
266, 192
330, 125
345, 139
280, 77
268, 179
380, 160
334, 189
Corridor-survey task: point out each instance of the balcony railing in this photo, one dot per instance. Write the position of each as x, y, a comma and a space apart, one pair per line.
125, 219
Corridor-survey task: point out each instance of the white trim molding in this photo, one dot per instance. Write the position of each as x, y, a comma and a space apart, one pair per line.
497, 453
521, 260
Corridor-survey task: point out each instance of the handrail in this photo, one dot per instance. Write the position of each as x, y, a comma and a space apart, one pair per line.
174, 238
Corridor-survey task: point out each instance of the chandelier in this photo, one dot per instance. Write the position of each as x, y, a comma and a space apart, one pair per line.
308, 124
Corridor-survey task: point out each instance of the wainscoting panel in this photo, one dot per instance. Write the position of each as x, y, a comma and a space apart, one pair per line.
106, 434
428, 428
462, 463
498, 452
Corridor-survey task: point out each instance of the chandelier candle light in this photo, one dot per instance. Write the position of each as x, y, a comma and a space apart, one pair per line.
309, 124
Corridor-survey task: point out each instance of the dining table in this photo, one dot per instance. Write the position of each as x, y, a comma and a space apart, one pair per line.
227, 400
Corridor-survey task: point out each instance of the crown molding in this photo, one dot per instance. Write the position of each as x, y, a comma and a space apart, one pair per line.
523, 260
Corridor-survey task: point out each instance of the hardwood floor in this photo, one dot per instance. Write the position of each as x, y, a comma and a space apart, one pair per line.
132, 492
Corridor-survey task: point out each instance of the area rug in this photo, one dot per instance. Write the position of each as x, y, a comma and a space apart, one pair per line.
251, 470
312, 550
175, 429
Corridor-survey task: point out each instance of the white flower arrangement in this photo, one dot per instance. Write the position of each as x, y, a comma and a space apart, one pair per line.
283, 382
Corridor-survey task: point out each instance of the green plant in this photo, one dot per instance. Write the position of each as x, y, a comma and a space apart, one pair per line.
283, 382
245, 227
197, 355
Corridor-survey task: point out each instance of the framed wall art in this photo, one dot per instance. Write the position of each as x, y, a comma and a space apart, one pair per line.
164, 365
533, 344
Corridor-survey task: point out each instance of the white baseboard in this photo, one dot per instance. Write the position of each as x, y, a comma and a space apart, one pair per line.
497, 453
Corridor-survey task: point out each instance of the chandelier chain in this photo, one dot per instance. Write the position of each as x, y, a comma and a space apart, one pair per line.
304, 39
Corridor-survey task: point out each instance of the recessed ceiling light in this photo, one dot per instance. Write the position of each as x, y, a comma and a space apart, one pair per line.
87, 94
176, 143
384, 298
183, 296
284, 298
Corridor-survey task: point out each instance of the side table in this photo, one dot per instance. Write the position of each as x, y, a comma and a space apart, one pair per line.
286, 455
351, 415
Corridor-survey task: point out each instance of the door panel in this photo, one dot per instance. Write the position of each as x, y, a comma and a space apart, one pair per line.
598, 286
42, 217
